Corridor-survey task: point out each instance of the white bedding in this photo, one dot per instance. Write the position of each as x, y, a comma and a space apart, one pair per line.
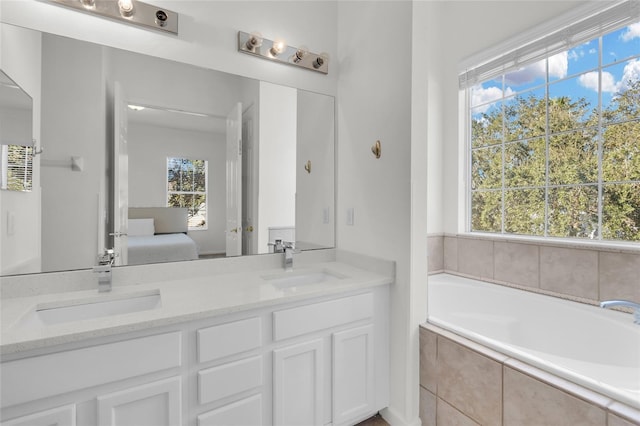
161, 248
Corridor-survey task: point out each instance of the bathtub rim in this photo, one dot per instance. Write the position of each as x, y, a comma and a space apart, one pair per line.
613, 394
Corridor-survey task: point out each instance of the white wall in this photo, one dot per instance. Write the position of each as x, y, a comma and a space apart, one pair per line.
374, 103
149, 147
277, 160
20, 250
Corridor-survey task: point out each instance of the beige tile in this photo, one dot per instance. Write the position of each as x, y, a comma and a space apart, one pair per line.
450, 254
530, 402
470, 382
449, 416
428, 358
435, 252
619, 276
427, 407
613, 420
475, 257
569, 271
516, 263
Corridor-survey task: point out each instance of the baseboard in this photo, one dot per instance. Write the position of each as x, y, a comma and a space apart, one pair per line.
392, 417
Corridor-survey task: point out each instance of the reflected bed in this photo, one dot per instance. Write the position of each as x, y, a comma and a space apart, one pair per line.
159, 234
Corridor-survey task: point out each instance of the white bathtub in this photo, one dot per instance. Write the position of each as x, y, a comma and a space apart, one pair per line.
593, 347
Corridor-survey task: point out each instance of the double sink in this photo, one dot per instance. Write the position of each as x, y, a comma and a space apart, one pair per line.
53, 313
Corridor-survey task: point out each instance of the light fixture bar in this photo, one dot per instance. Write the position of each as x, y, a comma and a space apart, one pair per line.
129, 11
255, 45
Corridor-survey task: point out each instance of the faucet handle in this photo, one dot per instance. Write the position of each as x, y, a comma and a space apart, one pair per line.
626, 304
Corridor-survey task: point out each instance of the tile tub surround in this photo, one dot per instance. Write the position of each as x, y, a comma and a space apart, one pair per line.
575, 270
464, 383
227, 287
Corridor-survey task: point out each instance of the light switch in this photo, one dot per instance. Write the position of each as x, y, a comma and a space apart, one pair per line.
350, 216
11, 218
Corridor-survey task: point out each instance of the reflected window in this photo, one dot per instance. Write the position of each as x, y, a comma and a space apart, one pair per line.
16, 168
187, 187
555, 145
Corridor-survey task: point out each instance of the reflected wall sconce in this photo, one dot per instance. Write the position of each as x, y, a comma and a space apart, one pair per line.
377, 149
278, 51
129, 11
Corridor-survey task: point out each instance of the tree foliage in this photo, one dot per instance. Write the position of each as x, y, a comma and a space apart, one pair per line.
538, 158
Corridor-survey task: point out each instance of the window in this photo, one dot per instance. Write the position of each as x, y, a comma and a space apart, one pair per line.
187, 187
554, 146
16, 173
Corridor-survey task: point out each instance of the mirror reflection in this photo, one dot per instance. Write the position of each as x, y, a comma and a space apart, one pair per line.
163, 161
16, 161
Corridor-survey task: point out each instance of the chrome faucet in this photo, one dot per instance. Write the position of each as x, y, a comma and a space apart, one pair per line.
624, 303
289, 250
103, 270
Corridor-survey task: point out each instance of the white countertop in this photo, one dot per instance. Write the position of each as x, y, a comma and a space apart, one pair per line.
182, 300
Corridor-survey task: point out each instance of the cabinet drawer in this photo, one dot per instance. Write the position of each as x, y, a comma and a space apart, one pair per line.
319, 316
54, 374
229, 379
241, 413
229, 339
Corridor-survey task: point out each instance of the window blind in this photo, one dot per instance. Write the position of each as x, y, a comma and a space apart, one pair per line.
555, 36
17, 168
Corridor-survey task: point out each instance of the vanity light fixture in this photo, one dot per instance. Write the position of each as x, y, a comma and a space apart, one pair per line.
278, 51
130, 11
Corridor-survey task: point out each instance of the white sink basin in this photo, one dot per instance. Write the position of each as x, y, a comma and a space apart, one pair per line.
96, 307
302, 277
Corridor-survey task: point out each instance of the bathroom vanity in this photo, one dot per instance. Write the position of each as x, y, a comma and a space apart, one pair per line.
225, 348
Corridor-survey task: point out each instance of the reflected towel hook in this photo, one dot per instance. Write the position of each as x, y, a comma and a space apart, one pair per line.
307, 166
377, 149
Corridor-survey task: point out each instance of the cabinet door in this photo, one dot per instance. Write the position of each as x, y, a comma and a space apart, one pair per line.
152, 404
353, 382
61, 416
298, 384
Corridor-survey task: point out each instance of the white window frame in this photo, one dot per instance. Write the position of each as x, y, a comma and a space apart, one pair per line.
206, 191
565, 31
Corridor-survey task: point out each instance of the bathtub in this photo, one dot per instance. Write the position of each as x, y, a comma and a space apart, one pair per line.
593, 347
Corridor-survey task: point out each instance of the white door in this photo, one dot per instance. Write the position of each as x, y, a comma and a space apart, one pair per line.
120, 177
298, 384
234, 182
249, 183
353, 383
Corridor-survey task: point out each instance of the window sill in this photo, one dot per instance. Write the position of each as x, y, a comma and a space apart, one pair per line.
610, 246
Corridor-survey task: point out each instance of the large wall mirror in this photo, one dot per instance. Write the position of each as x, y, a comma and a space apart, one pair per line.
165, 161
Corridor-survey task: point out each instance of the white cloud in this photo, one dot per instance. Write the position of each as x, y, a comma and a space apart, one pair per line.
633, 31
480, 95
558, 66
631, 72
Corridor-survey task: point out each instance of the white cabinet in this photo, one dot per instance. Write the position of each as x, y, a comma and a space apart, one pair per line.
151, 404
353, 374
303, 363
60, 416
298, 384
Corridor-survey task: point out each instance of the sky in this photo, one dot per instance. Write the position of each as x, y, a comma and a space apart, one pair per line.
578, 66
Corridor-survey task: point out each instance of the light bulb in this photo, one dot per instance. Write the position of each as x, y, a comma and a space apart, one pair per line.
126, 7
321, 60
89, 4
254, 41
278, 47
301, 52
